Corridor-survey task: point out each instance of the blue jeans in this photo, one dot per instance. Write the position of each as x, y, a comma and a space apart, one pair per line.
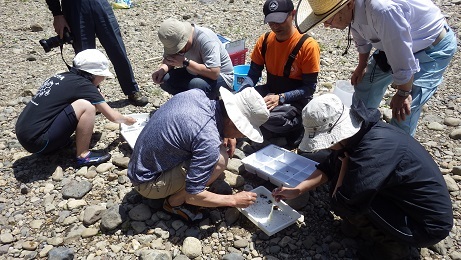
90, 18
433, 61
180, 80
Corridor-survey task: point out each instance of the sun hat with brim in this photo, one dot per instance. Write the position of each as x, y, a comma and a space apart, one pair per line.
326, 122
92, 61
247, 110
277, 11
174, 35
312, 12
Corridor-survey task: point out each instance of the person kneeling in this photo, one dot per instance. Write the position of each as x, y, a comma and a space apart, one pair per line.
67, 103
382, 180
182, 149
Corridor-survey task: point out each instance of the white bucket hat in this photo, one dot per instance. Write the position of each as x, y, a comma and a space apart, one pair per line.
326, 122
93, 61
312, 12
247, 110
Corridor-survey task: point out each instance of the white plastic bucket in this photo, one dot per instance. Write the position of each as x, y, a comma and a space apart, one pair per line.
344, 90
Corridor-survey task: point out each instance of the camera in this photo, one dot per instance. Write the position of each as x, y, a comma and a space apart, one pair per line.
55, 41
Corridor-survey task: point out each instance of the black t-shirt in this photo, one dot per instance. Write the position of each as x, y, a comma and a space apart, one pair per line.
52, 97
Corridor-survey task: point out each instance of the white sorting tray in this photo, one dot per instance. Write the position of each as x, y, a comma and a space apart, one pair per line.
260, 212
131, 132
279, 166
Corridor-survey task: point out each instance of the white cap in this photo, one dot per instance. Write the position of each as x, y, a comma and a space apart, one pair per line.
94, 62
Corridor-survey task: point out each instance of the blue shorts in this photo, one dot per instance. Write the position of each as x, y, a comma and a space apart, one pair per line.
433, 62
58, 134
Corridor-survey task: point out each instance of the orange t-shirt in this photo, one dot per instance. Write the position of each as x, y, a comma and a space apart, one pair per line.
307, 60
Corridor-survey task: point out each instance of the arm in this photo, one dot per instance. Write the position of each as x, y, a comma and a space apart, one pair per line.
158, 75
205, 198
360, 70
59, 21
114, 115
316, 179
305, 91
177, 60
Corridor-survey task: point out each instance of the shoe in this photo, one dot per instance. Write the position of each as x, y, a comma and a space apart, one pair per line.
93, 158
138, 99
187, 212
379, 251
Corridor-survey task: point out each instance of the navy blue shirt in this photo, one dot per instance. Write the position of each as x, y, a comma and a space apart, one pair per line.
391, 173
186, 128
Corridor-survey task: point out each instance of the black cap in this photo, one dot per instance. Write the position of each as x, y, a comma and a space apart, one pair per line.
277, 11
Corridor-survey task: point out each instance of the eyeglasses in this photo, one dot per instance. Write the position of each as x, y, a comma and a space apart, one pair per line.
329, 22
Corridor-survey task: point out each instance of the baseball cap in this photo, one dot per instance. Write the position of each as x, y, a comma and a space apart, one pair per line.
277, 11
92, 61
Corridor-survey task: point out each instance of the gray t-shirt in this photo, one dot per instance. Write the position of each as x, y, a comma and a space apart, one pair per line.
186, 128
207, 49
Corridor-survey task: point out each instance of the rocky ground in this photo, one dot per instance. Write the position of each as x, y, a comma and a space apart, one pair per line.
49, 208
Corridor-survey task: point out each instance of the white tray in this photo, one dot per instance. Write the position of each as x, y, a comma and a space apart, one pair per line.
131, 132
279, 166
260, 212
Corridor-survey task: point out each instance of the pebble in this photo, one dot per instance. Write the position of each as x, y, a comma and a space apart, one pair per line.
49, 208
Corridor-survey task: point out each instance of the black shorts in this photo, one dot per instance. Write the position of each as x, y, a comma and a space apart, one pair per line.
58, 134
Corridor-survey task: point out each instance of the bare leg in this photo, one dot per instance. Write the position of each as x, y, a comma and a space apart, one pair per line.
180, 197
85, 113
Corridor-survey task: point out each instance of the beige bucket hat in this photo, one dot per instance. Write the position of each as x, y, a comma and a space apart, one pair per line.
174, 35
312, 12
326, 122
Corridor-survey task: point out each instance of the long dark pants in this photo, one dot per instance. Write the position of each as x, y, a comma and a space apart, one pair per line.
89, 19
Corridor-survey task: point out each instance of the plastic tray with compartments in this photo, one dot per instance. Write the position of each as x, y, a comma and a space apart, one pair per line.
270, 216
279, 166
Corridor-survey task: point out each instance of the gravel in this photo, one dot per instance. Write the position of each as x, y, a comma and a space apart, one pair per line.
50, 209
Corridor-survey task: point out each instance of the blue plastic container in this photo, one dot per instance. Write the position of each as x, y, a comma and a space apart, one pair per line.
240, 72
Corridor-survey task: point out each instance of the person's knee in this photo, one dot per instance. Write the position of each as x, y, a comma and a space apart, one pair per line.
82, 106
200, 84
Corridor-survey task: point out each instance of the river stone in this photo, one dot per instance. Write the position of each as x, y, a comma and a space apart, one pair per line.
76, 189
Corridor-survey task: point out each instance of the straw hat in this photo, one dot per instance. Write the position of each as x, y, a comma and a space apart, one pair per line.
92, 61
247, 110
174, 35
312, 12
326, 122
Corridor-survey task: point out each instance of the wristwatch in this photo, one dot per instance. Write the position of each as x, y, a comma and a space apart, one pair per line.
403, 93
281, 98
185, 62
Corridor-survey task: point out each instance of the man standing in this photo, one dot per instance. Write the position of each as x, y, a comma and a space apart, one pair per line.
292, 62
86, 19
413, 43
194, 57
181, 150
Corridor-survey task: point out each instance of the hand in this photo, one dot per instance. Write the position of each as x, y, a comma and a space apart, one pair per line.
59, 23
281, 193
244, 199
129, 120
230, 143
174, 60
272, 100
357, 75
158, 75
401, 106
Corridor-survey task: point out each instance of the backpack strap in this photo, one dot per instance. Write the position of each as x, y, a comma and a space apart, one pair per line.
291, 58
264, 47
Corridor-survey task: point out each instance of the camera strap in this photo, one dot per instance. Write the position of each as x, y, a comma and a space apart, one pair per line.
62, 56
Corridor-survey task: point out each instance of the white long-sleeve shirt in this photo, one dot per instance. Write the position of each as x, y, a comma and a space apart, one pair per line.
399, 28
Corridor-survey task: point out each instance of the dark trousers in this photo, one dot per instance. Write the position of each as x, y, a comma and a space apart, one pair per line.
179, 80
89, 19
